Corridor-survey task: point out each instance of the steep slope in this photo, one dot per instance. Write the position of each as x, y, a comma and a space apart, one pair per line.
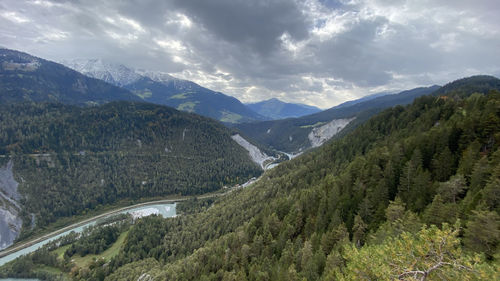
68, 159
257, 156
276, 109
191, 97
27, 78
292, 135
161, 88
10, 221
364, 205
112, 73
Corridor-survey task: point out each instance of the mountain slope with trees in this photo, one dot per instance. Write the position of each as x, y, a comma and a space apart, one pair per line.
68, 160
25, 78
410, 194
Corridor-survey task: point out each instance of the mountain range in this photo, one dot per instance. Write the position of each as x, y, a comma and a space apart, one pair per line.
161, 88
294, 135
399, 186
25, 78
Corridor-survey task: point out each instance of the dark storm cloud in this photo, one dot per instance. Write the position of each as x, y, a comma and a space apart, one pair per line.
257, 24
321, 52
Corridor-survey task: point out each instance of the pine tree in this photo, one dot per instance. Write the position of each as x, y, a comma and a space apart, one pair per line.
482, 233
358, 231
453, 188
395, 210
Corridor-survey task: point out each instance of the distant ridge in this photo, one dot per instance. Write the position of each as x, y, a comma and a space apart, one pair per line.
277, 109
465, 86
293, 135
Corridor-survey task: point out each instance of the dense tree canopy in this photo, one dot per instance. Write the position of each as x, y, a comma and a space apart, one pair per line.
375, 204
69, 159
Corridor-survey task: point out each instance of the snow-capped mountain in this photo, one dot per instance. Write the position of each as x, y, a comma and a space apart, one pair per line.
167, 79
121, 75
162, 88
157, 76
26, 78
113, 73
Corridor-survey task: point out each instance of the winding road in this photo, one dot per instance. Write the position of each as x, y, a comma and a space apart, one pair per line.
26, 244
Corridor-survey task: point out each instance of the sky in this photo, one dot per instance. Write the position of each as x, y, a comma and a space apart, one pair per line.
317, 52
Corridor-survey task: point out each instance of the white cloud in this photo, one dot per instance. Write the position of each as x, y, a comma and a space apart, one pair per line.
14, 17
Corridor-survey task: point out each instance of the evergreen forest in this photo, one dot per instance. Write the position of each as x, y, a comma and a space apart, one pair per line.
69, 160
411, 194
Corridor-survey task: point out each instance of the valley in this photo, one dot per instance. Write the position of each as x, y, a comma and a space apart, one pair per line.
81, 164
294, 135
253, 140
407, 167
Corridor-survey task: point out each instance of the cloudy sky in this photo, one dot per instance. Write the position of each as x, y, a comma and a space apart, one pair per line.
319, 52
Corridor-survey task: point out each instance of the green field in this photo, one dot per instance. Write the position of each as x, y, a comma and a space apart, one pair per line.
146, 93
180, 96
230, 117
312, 126
187, 106
86, 260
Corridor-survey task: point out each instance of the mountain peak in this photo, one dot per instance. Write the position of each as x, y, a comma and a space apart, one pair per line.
29, 78
157, 76
162, 88
114, 73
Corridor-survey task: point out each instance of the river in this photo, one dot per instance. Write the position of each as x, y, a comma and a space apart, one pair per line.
166, 210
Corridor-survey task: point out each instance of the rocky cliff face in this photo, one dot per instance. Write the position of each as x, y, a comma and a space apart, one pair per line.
257, 156
320, 135
10, 220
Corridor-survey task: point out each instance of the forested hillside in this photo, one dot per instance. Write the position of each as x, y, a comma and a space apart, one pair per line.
68, 160
412, 194
25, 78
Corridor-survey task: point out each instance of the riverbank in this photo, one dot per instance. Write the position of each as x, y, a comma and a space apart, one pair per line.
110, 211
23, 245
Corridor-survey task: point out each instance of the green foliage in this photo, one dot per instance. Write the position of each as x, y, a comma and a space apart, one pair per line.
94, 241
431, 254
378, 185
69, 160
367, 194
483, 232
